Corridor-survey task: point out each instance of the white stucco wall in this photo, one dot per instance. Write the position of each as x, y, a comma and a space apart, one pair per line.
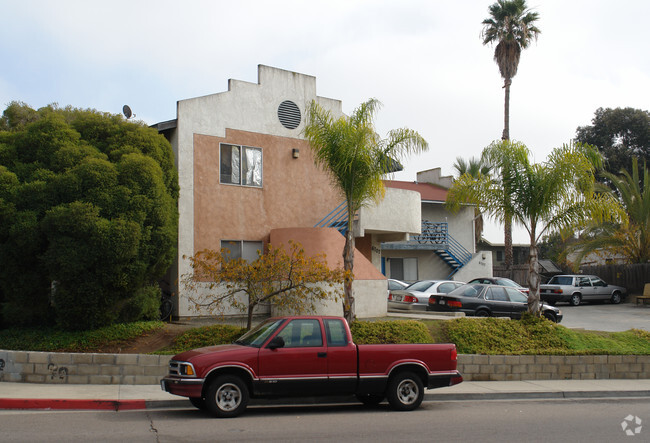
245, 106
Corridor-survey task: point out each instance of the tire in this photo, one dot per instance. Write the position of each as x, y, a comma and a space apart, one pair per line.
575, 300
198, 403
616, 298
227, 396
405, 391
550, 316
481, 313
370, 399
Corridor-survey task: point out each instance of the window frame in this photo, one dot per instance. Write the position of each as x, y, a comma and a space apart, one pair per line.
242, 167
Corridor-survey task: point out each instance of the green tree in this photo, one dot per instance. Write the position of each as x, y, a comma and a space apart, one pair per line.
629, 239
290, 280
357, 159
620, 134
88, 217
474, 167
511, 26
557, 194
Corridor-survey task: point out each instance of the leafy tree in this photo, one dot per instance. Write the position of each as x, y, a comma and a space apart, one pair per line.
474, 167
511, 26
88, 216
629, 239
557, 194
290, 280
357, 158
620, 134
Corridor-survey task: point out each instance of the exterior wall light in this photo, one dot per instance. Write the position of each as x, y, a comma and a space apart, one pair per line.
295, 153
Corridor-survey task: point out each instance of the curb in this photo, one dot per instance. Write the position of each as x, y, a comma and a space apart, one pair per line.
130, 405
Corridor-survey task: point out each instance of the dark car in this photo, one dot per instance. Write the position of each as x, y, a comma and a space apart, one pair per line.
482, 300
502, 281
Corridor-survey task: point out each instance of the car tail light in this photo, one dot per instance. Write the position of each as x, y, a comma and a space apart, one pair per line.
454, 304
390, 296
410, 299
433, 300
454, 354
556, 291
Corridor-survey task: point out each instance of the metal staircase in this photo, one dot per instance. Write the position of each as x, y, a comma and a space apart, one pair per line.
450, 251
337, 218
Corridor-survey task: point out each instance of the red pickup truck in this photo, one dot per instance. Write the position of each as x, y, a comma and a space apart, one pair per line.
308, 356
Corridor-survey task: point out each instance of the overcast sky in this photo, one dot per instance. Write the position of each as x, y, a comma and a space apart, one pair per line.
424, 60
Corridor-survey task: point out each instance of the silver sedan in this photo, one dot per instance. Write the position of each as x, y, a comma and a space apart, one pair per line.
416, 295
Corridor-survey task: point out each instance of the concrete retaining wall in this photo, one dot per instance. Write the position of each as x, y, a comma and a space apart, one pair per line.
553, 367
140, 369
57, 367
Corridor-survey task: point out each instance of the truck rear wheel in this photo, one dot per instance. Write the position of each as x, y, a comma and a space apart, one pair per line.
405, 391
227, 396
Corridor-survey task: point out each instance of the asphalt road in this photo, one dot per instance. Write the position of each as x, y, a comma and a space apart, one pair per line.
485, 421
606, 317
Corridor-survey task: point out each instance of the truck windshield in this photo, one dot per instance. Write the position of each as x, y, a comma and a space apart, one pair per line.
258, 335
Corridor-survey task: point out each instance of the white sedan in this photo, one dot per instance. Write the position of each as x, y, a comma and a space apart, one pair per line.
416, 295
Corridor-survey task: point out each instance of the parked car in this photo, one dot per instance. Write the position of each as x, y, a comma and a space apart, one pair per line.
394, 285
308, 356
481, 300
416, 295
500, 281
578, 288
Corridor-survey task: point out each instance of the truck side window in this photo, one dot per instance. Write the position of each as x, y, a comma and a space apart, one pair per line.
302, 333
335, 331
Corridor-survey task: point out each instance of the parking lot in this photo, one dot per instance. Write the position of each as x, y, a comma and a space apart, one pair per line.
606, 317
596, 317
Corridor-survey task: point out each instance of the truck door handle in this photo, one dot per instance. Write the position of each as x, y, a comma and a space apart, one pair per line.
322, 354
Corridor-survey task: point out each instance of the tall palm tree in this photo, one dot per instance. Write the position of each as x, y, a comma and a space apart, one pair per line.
474, 167
357, 159
512, 27
543, 197
630, 239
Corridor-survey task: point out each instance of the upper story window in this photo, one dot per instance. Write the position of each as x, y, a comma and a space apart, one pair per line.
240, 165
248, 250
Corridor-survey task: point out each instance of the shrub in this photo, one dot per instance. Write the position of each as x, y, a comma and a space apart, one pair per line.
204, 336
398, 331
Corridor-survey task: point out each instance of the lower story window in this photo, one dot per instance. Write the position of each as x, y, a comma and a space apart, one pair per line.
405, 269
242, 249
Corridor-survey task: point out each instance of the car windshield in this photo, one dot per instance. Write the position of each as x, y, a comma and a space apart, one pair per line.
507, 282
258, 335
419, 286
561, 280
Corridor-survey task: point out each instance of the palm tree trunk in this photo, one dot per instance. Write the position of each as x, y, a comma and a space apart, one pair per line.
348, 263
533, 280
507, 226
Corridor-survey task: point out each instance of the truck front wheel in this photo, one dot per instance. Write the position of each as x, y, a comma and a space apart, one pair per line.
405, 391
227, 396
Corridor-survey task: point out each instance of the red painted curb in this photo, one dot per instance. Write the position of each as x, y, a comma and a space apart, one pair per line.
44, 403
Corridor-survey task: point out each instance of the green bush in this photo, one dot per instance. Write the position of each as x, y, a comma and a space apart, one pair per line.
145, 305
397, 331
53, 340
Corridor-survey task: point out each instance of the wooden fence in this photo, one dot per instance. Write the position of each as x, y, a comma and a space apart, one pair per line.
631, 277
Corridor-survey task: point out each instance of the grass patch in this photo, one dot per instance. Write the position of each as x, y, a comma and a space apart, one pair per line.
53, 340
204, 336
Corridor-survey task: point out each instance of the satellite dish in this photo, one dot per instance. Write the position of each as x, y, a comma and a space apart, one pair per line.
127, 112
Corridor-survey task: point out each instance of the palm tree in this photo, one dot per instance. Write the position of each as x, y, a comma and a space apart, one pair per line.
511, 26
474, 167
542, 197
630, 239
357, 159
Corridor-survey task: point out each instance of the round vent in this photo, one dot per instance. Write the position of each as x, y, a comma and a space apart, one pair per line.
289, 114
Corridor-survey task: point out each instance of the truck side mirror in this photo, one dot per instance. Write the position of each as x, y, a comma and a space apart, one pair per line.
276, 342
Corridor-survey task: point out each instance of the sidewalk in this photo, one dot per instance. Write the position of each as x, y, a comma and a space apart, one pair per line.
131, 397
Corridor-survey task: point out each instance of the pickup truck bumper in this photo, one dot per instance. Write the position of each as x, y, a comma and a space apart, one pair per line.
185, 387
442, 380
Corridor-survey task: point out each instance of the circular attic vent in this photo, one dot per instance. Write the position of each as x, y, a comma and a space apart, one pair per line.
289, 114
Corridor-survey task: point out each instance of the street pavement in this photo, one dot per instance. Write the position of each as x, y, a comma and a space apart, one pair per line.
132, 397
